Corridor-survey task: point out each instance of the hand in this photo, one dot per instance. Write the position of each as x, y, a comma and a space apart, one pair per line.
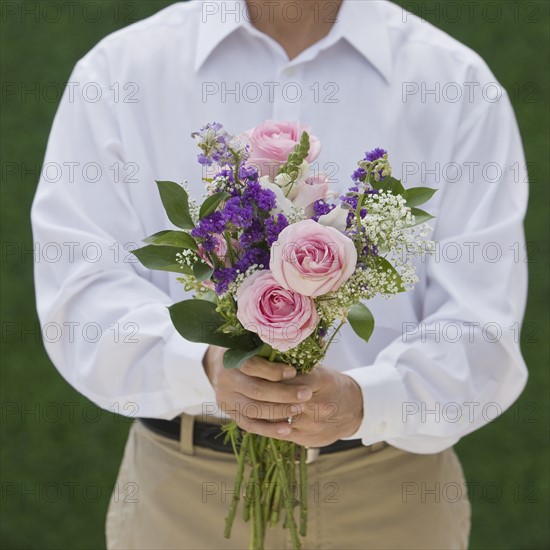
335, 410
260, 396
255, 392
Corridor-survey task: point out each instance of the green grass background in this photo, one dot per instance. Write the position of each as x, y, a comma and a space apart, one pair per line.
53, 450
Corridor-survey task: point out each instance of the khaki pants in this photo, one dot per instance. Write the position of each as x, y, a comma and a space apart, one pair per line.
171, 495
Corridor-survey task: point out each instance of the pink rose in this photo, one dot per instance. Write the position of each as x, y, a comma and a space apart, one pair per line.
310, 190
281, 318
312, 259
220, 250
272, 142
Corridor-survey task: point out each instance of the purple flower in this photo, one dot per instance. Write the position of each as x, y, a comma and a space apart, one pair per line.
273, 226
320, 208
375, 154
352, 200
263, 198
237, 213
224, 276
209, 243
253, 256
248, 173
213, 223
254, 234
216, 145
359, 175
228, 174
370, 250
205, 161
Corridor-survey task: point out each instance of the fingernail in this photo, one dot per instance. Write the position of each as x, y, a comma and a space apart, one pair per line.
304, 394
296, 409
288, 373
284, 430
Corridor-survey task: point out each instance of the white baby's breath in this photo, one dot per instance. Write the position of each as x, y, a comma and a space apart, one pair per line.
186, 258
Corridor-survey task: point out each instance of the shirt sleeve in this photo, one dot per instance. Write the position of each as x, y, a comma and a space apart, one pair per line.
461, 365
105, 325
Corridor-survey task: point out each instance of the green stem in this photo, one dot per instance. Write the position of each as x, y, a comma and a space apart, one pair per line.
259, 526
291, 453
248, 499
237, 164
288, 502
358, 213
303, 492
272, 355
334, 334
253, 533
227, 238
360, 200
238, 484
276, 506
270, 492
231, 433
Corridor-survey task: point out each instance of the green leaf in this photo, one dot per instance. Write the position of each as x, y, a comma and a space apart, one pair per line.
209, 296
177, 239
162, 258
233, 358
212, 202
202, 271
361, 320
383, 264
418, 195
151, 239
420, 216
390, 184
176, 203
198, 321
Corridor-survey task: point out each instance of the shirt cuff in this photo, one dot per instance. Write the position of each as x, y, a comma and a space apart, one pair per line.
383, 398
185, 375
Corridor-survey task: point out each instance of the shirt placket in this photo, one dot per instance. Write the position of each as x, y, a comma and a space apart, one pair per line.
290, 94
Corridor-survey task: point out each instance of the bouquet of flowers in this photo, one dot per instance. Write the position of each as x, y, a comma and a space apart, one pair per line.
278, 264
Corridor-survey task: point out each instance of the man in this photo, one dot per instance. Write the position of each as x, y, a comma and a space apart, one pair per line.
385, 415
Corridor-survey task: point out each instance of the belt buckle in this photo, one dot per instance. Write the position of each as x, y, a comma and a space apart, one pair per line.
312, 454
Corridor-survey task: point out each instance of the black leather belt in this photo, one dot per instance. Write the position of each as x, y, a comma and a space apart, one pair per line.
210, 435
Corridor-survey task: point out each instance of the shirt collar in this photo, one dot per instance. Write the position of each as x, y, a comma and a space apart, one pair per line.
218, 20
360, 22
363, 24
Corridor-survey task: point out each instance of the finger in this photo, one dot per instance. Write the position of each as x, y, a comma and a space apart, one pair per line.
274, 392
315, 380
277, 430
261, 368
272, 412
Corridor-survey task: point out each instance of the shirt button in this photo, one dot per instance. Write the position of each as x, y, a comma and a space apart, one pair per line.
289, 72
382, 427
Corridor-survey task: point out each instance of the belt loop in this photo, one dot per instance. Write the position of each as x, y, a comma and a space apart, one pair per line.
186, 434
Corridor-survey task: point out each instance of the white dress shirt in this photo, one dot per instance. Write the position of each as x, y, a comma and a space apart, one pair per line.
444, 359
